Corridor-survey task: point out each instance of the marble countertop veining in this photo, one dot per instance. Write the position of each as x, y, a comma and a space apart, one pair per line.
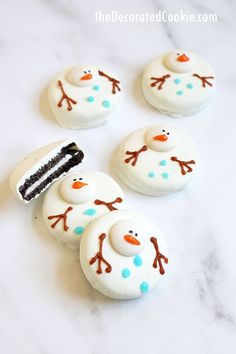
46, 305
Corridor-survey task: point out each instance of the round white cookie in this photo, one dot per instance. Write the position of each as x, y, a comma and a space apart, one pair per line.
156, 160
123, 255
83, 96
178, 83
74, 201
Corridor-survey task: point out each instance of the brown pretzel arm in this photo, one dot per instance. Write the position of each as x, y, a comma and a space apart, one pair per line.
68, 99
204, 79
59, 217
184, 165
115, 83
134, 155
159, 256
109, 205
99, 257
159, 80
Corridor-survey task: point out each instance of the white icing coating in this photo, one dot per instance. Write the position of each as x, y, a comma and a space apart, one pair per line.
92, 95
62, 195
132, 274
181, 93
155, 173
33, 163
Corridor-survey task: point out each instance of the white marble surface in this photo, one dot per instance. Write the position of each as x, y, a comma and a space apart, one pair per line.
46, 305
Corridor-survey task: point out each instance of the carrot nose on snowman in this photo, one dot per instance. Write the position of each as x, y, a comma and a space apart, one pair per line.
78, 185
183, 58
86, 77
132, 240
161, 137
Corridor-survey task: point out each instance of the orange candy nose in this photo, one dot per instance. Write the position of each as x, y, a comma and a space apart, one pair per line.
161, 137
132, 240
86, 77
183, 58
78, 185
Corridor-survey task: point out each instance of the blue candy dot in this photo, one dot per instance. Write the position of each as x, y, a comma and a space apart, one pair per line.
165, 175
125, 273
89, 212
151, 174
78, 230
96, 87
189, 86
177, 81
106, 104
163, 162
90, 99
138, 261
144, 287
180, 92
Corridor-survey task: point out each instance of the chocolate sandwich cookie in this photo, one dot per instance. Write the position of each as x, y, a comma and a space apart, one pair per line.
42, 167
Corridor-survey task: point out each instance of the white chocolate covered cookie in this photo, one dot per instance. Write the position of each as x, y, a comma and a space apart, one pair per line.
178, 83
83, 96
156, 160
123, 255
75, 200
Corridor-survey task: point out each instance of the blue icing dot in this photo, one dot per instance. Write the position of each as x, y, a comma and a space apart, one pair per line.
189, 86
151, 174
144, 287
165, 175
106, 104
177, 81
96, 87
163, 162
125, 273
79, 230
90, 99
180, 92
138, 261
89, 212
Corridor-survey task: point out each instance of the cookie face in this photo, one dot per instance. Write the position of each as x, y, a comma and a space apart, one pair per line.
77, 190
83, 76
178, 83
33, 175
128, 237
161, 139
83, 96
75, 200
179, 61
156, 160
123, 255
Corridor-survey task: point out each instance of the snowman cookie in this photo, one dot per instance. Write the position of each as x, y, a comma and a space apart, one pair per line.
75, 200
123, 255
83, 96
156, 160
178, 83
